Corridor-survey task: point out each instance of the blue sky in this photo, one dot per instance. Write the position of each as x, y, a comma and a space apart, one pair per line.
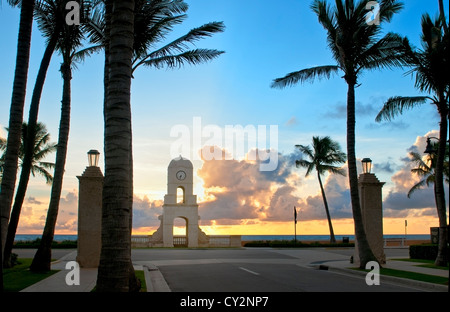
263, 40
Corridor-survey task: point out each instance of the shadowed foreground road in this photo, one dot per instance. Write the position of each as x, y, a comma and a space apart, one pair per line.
258, 270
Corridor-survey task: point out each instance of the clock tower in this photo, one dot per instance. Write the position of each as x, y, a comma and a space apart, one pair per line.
180, 202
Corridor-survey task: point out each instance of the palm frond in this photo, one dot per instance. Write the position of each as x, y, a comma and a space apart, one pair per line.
304, 75
416, 187
387, 53
183, 42
305, 164
81, 55
192, 57
396, 105
43, 172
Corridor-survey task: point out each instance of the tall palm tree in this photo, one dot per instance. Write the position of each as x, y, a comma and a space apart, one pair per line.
153, 20
70, 40
430, 67
426, 169
42, 149
115, 257
323, 157
355, 46
8, 181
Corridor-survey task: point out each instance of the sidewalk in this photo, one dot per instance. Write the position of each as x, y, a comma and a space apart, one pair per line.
345, 266
317, 258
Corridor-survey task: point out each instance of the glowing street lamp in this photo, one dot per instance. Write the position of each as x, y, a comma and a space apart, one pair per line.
93, 157
367, 165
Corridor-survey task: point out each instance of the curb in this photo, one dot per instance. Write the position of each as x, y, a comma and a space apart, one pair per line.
154, 279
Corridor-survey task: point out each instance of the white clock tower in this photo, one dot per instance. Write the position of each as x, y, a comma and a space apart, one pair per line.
180, 202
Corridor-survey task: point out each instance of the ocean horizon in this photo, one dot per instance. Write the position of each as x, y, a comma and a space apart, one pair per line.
73, 237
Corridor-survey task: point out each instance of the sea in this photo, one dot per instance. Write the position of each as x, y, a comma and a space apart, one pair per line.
309, 238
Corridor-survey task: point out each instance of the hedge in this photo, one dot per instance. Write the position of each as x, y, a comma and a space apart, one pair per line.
425, 251
35, 244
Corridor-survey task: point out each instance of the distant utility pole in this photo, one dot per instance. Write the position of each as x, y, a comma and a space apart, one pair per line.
295, 226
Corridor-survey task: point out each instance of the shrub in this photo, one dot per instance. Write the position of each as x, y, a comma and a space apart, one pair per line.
425, 251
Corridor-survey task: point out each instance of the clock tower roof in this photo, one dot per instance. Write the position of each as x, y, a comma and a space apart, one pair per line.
181, 162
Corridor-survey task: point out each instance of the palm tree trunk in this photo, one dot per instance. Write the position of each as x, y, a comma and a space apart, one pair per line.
441, 258
325, 202
16, 116
364, 251
42, 258
115, 258
15, 215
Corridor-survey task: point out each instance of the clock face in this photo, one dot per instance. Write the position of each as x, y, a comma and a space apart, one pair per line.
181, 175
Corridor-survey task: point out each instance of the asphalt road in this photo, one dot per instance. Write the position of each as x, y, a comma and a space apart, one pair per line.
257, 270
253, 269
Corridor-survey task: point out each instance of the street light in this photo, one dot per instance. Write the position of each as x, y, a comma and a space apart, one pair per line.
429, 149
93, 156
367, 165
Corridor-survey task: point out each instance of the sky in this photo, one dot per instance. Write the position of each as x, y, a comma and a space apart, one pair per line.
263, 40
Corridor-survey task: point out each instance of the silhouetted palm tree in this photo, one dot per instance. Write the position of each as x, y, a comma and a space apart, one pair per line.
42, 149
323, 157
115, 258
70, 40
355, 47
153, 21
8, 182
430, 67
426, 169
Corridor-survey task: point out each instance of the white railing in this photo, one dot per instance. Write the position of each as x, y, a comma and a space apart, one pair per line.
214, 241
400, 240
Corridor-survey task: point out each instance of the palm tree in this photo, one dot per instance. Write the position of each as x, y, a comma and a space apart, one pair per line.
323, 157
42, 149
10, 166
71, 37
430, 67
355, 47
115, 258
153, 20
426, 170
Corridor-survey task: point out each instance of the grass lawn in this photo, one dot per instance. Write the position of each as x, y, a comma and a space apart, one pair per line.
417, 276
424, 263
20, 277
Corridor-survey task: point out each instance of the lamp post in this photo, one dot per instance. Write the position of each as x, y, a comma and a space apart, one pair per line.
93, 157
367, 165
370, 193
90, 213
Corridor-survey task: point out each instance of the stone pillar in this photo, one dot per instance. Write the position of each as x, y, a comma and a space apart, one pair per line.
370, 192
89, 217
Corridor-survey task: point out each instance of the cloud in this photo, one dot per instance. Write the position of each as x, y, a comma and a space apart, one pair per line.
339, 110
237, 190
292, 122
146, 212
32, 200
387, 166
